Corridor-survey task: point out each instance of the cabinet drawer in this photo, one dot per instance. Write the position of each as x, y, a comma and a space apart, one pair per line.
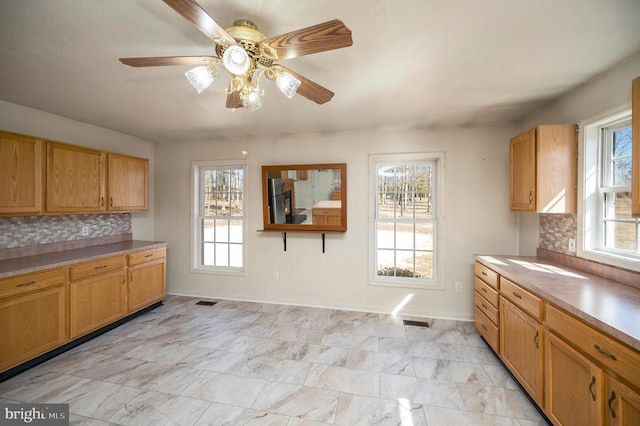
29, 282
147, 256
487, 308
619, 359
487, 275
486, 291
325, 212
518, 296
487, 329
96, 267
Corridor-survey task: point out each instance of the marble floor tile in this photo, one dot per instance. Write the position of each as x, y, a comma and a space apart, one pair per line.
380, 362
224, 388
421, 391
354, 410
344, 380
453, 371
298, 401
244, 363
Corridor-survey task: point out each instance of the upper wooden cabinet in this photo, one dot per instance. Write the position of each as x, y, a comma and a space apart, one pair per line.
127, 183
21, 173
75, 179
543, 168
635, 125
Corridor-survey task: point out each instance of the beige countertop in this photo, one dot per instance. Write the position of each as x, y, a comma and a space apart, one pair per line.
607, 305
28, 264
328, 204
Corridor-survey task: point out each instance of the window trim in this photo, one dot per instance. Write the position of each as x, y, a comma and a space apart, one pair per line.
438, 282
589, 186
196, 238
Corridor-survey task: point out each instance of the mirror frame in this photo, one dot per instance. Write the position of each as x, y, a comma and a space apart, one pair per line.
285, 227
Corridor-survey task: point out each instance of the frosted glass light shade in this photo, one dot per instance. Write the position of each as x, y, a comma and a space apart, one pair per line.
236, 60
200, 77
253, 100
287, 84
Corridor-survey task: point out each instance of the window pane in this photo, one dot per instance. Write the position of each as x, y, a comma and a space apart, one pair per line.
424, 236
621, 156
222, 231
208, 230
385, 235
208, 254
424, 265
236, 231
621, 235
236, 255
222, 255
404, 236
405, 264
617, 205
386, 263
622, 171
424, 191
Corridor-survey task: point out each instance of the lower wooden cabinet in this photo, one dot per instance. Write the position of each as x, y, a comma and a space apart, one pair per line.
95, 302
32, 324
146, 284
622, 404
521, 349
574, 385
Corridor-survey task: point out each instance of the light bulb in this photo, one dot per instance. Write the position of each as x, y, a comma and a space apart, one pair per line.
236, 60
200, 77
253, 100
287, 83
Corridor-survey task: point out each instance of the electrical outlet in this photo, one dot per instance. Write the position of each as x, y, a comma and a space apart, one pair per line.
275, 275
85, 231
572, 244
458, 286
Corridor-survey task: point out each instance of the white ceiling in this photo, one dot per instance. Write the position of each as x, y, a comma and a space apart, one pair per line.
412, 63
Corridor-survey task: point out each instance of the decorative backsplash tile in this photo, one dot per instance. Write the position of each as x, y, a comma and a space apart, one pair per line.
21, 231
556, 230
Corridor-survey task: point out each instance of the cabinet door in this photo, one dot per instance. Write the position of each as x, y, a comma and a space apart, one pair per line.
147, 284
127, 183
522, 152
32, 324
573, 385
95, 302
521, 347
622, 404
635, 153
21, 171
75, 179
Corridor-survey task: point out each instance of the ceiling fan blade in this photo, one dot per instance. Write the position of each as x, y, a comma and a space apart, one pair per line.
194, 13
233, 100
166, 61
309, 89
314, 39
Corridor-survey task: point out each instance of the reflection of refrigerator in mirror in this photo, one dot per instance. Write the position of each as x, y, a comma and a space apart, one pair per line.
279, 202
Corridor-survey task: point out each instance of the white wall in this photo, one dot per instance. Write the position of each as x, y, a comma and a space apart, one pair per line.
610, 90
477, 219
19, 119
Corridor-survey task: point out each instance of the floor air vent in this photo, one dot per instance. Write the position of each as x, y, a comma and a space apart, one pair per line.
416, 323
205, 303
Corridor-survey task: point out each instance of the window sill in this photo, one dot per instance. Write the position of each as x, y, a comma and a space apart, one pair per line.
620, 261
408, 284
213, 271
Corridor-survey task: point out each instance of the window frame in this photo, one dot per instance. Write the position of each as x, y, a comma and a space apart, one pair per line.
592, 167
196, 219
376, 160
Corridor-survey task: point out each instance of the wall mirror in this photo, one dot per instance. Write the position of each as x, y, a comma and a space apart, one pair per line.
305, 197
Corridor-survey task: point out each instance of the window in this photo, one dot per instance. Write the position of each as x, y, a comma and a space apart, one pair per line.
218, 217
405, 219
609, 232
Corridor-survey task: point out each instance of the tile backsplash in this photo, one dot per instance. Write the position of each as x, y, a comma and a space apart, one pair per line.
21, 231
555, 232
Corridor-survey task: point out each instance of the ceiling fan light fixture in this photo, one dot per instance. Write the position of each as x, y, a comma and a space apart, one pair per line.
201, 77
287, 83
251, 98
236, 60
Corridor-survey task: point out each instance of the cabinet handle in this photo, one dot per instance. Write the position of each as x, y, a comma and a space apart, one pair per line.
516, 295
484, 289
130, 276
149, 255
530, 197
536, 339
605, 353
101, 202
124, 280
484, 327
613, 398
110, 201
26, 284
484, 273
593, 382
100, 267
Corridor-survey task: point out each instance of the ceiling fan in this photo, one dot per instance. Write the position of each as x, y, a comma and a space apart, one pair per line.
247, 54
